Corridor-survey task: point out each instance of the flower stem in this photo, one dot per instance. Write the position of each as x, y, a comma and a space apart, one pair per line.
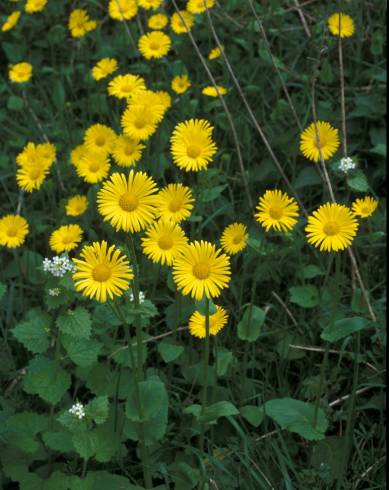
206, 372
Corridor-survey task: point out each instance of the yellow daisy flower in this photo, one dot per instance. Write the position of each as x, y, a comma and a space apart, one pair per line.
214, 54
43, 155
104, 68
128, 203
174, 202
331, 227
11, 21
30, 176
341, 24
47, 152
126, 151
277, 210
163, 241
76, 205
93, 167
13, 230
234, 238
80, 24
178, 25
122, 9
180, 84
157, 21
99, 139
102, 272
125, 86
33, 6
77, 154
150, 4
364, 207
192, 145
139, 122
157, 102
65, 238
211, 91
201, 269
198, 7
328, 138
217, 321
154, 44
164, 100
20, 73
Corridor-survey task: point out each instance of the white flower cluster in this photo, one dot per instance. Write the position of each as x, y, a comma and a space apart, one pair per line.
142, 296
54, 292
346, 164
77, 410
58, 266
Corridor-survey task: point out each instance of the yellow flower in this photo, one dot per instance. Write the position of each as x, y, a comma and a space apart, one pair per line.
33, 6
157, 102
234, 238
277, 210
93, 167
154, 44
201, 269
198, 7
331, 227
11, 21
99, 139
139, 122
43, 155
31, 175
76, 205
125, 86
65, 238
79, 23
174, 202
163, 241
192, 145
340, 24
150, 4
128, 203
20, 73
13, 230
126, 151
102, 272
214, 54
217, 321
157, 21
123, 9
104, 67
328, 138
212, 92
180, 26
364, 207
164, 100
180, 84
77, 154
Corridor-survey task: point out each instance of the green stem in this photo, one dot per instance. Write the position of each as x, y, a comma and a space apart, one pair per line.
206, 372
321, 383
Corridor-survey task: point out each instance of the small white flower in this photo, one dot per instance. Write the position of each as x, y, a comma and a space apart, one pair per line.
77, 410
58, 266
346, 164
142, 296
54, 292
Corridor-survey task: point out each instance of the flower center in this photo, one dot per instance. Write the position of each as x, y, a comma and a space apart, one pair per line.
94, 167
67, 239
322, 141
129, 149
365, 210
12, 231
154, 46
331, 228
34, 173
237, 239
201, 270
165, 242
101, 273
276, 212
193, 151
128, 201
140, 123
127, 88
100, 141
175, 205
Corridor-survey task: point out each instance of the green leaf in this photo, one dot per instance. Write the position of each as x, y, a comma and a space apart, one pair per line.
212, 193
3, 289
85, 444
60, 441
304, 296
47, 379
152, 396
286, 352
212, 412
102, 480
249, 328
311, 271
253, 414
82, 352
169, 351
343, 328
97, 409
76, 323
15, 103
24, 428
33, 332
224, 359
107, 443
297, 416
201, 306
358, 181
